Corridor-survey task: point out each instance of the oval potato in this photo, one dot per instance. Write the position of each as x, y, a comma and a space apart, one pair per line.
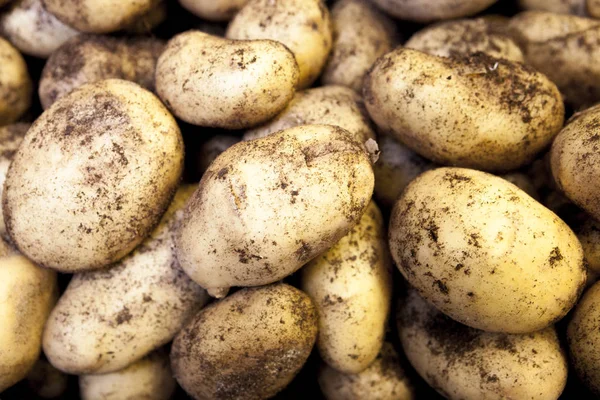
15, 84
431, 10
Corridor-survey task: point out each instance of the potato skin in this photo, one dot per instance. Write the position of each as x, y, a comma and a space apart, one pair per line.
249, 345
268, 206
484, 252
477, 112
15, 84
11, 137
351, 287
213, 10
117, 157
432, 10
465, 363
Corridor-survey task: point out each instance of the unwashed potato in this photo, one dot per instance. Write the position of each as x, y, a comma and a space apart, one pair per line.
15, 84
212, 149
89, 58
432, 10
195, 73
27, 294
351, 287
465, 363
575, 7
464, 37
304, 26
589, 237
477, 111
213, 10
383, 380
248, 346
109, 319
11, 137
46, 381
92, 176
361, 34
484, 252
266, 207
148, 379
327, 105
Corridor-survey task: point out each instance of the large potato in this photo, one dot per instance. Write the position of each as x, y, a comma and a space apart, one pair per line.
432, 10
213, 10
11, 137
92, 177
478, 111
195, 74
108, 319
15, 84
484, 252
351, 287
465, 363
304, 26
268, 206
248, 346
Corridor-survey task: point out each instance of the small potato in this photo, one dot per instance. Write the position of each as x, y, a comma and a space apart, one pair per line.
477, 112
361, 34
304, 26
15, 84
213, 10
212, 149
574, 7
484, 252
248, 346
89, 59
383, 380
327, 105
431, 10
266, 207
109, 319
11, 137
148, 379
351, 286
465, 363
195, 74
46, 381
589, 237
523, 182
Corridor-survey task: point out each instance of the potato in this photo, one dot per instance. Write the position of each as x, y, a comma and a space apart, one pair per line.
148, 379
46, 381
109, 319
478, 111
431, 10
465, 363
11, 137
15, 84
361, 34
88, 59
195, 73
32, 29
484, 252
266, 207
327, 105
589, 237
27, 294
465, 37
383, 380
249, 345
213, 148
575, 7
213, 10
351, 287
304, 26
523, 182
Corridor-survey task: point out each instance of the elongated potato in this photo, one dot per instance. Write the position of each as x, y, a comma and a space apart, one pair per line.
266, 207
11, 137
304, 26
351, 286
465, 363
432, 10
478, 112
249, 345
109, 319
484, 252
15, 84
574, 7
213, 10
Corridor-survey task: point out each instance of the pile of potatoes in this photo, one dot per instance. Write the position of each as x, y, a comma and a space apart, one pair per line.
292, 199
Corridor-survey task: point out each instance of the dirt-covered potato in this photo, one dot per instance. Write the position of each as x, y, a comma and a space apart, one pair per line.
432, 10
211, 149
361, 34
304, 26
465, 363
27, 294
327, 105
195, 74
89, 58
383, 380
589, 237
249, 345
46, 381
523, 182
92, 176
268, 206
15, 84
149, 379
575, 7
351, 287
213, 10
108, 319
484, 252
476, 111
11, 137
465, 37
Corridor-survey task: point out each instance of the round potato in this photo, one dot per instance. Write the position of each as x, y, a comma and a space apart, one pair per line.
575, 7
266, 207
465, 363
351, 287
477, 111
15, 84
212, 149
304, 26
213, 10
46, 381
431, 10
11, 137
484, 252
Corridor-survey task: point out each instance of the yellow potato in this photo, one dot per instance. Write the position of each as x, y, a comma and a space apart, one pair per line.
432, 10
15, 84
213, 10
